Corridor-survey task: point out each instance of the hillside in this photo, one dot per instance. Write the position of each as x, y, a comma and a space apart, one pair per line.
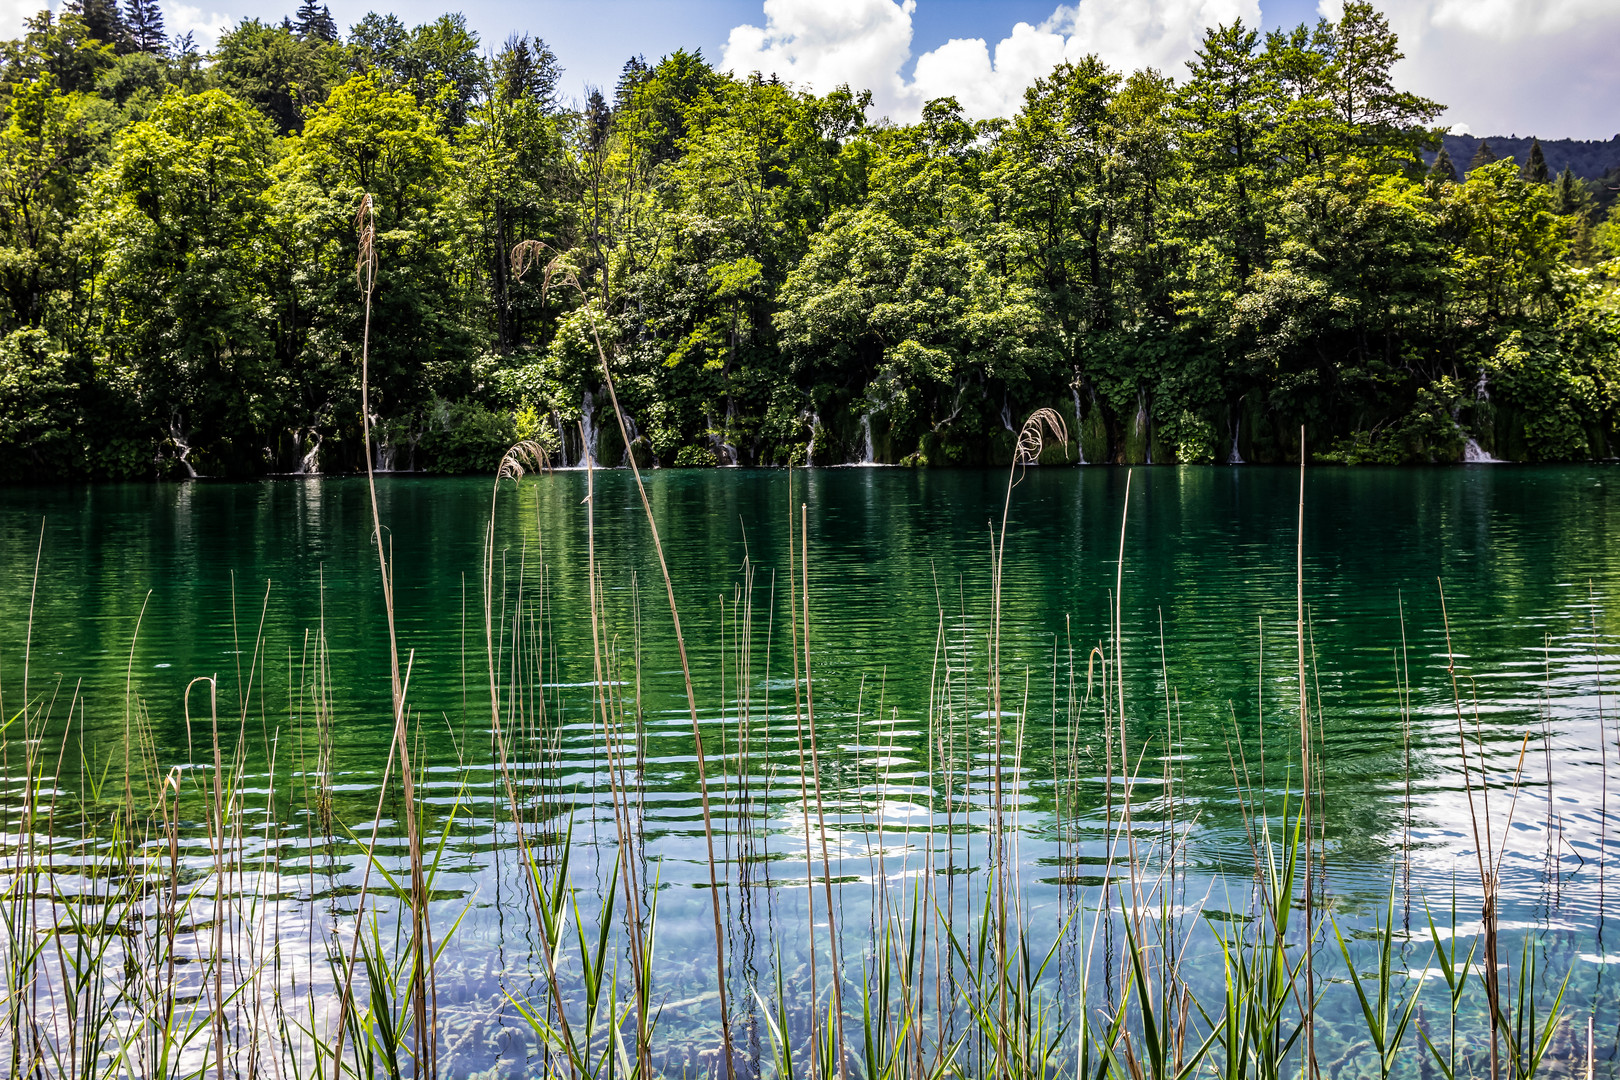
1587, 159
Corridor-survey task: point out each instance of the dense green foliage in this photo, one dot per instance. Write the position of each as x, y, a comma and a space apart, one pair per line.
1190, 266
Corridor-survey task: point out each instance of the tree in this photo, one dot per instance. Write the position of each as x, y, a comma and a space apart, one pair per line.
1484, 155
1535, 164
1443, 170
1377, 118
314, 21
368, 139
104, 21
273, 68
1510, 243
144, 19
1051, 185
632, 75
443, 68
377, 46
63, 48
48, 146
1225, 111
519, 182
1572, 196
438, 62
182, 217
527, 68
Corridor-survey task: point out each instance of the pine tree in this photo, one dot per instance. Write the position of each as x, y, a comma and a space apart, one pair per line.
316, 22
1535, 166
1483, 156
1573, 198
103, 20
632, 75
144, 19
1442, 169
527, 68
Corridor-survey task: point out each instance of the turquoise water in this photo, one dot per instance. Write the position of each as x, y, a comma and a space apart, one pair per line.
900, 620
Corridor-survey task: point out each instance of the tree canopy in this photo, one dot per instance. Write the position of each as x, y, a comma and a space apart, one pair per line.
1189, 265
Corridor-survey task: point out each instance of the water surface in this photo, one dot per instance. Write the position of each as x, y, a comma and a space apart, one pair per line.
1513, 566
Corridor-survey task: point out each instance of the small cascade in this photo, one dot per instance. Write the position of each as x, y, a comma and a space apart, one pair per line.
868, 455
1079, 424
182, 447
309, 462
562, 439
1233, 457
635, 433
1475, 454
810, 447
384, 456
587, 424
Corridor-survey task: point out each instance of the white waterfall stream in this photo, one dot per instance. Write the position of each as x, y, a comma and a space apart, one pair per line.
1079, 426
587, 425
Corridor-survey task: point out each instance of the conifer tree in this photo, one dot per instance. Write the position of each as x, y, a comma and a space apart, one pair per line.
315, 21
527, 68
1483, 156
1535, 166
144, 20
632, 75
1572, 196
1442, 169
104, 21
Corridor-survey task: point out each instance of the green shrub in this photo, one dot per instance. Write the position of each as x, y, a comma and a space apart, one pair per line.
39, 421
465, 437
695, 457
1555, 389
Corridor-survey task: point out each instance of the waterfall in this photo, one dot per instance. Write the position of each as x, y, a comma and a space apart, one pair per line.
1474, 454
810, 447
562, 439
635, 433
587, 424
309, 461
868, 457
1079, 426
181, 445
1232, 456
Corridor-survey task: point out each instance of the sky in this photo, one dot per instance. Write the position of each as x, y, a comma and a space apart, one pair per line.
1511, 67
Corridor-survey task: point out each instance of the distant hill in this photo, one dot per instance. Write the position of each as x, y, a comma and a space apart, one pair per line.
1587, 159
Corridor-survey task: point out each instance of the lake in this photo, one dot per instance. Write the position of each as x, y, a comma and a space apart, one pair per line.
1458, 649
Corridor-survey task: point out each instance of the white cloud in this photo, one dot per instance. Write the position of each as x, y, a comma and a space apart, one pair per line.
1157, 33
866, 43
178, 18
963, 67
822, 43
1509, 19
1503, 67
13, 13
205, 25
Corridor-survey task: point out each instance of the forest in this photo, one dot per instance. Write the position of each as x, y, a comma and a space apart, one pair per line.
1191, 266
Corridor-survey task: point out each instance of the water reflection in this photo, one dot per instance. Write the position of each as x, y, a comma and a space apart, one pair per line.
911, 777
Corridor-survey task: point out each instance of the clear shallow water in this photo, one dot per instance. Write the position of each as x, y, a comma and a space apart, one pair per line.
899, 582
